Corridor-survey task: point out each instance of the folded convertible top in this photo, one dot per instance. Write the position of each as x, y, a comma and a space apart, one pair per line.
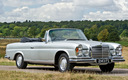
26, 39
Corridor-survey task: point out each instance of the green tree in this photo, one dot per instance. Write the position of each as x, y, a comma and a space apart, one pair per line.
86, 32
32, 31
16, 31
55, 26
38, 30
23, 32
64, 26
11, 26
94, 29
42, 33
6, 32
1, 34
92, 32
124, 33
113, 36
93, 36
103, 35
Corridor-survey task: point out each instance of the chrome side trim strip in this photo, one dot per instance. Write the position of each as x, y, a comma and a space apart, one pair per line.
40, 61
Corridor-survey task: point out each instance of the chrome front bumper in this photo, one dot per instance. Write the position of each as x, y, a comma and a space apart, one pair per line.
92, 60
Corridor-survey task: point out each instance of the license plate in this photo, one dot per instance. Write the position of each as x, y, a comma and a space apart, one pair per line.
103, 61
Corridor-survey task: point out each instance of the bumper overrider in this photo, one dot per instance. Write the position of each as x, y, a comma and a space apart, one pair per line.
98, 60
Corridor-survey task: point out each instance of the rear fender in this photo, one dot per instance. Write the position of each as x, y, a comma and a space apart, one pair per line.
18, 52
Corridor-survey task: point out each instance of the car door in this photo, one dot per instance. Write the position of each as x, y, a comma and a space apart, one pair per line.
40, 52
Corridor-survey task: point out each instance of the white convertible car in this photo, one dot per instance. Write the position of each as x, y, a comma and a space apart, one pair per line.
65, 48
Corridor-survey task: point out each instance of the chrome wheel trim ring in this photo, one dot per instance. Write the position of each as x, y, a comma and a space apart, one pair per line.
19, 60
63, 63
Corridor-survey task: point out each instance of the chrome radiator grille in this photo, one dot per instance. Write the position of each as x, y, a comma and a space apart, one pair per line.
101, 51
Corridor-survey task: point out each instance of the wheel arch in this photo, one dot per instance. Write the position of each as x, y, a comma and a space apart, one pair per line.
57, 56
18, 52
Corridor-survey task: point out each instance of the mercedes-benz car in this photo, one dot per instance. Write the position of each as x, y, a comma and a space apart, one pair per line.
65, 48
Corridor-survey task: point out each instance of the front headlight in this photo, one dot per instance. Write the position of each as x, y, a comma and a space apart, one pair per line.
118, 50
86, 52
79, 50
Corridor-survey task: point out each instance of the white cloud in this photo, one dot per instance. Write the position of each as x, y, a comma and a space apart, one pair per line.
99, 16
101, 5
120, 14
21, 3
49, 12
122, 4
1, 7
58, 10
21, 9
93, 3
106, 15
15, 3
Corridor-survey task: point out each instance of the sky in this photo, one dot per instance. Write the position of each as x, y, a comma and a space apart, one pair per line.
63, 10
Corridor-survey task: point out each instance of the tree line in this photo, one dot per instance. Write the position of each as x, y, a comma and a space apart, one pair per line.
108, 30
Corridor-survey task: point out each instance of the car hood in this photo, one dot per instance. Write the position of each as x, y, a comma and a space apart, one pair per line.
88, 44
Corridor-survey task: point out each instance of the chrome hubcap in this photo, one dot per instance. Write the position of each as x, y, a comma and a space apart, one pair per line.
19, 60
63, 63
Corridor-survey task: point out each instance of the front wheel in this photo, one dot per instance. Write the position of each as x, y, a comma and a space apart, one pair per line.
107, 68
63, 63
20, 62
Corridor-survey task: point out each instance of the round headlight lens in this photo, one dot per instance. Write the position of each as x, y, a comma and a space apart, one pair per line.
86, 52
112, 52
119, 50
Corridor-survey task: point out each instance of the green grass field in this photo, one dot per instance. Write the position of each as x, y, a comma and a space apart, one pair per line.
123, 43
17, 75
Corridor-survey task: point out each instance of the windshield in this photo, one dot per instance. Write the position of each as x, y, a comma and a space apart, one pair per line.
66, 34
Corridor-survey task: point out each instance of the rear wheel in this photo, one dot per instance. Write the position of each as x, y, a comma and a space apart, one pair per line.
63, 63
20, 62
107, 68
